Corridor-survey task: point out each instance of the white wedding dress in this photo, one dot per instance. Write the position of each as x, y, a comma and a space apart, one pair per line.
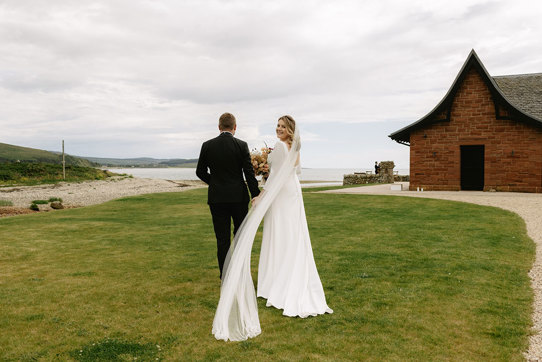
288, 277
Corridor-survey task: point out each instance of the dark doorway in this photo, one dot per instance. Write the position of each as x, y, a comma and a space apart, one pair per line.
472, 167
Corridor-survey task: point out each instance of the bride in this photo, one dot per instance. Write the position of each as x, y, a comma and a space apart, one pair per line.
287, 275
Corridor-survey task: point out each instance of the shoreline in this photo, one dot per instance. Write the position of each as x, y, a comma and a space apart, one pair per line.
85, 193
79, 194
92, 192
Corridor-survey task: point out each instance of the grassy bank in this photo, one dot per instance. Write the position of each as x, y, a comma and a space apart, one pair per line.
12, 153
27, 173
408, 279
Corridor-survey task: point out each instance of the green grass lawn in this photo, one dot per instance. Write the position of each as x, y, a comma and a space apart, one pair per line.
408, 279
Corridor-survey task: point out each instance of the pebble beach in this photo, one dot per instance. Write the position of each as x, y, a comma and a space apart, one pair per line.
78, 194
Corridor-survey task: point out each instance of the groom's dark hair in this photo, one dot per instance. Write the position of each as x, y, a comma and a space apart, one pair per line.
226, 121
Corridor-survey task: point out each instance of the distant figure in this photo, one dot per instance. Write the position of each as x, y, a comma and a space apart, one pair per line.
377, 168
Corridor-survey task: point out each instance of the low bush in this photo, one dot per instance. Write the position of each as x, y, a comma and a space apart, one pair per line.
40, 202
56, 205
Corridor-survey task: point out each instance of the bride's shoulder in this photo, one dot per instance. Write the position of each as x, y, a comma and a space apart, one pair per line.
281, 144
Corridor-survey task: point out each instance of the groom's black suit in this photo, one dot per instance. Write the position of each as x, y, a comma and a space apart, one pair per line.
227, 158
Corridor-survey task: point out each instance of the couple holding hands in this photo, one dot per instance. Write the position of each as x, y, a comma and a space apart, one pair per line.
287, 274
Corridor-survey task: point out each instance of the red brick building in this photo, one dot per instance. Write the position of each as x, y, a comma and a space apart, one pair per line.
485, 134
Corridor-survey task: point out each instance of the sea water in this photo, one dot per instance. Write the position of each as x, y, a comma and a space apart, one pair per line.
322, 176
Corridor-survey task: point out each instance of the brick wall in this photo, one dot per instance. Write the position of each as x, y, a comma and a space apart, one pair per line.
513, 150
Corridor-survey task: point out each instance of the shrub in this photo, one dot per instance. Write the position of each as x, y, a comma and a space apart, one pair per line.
57, 205
34, 207
40, 202
6, 203
53, 199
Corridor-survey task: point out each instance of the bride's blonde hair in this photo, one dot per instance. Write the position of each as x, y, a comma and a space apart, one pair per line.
290, 127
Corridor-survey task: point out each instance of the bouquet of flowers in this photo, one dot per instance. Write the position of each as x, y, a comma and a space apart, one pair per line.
259, 160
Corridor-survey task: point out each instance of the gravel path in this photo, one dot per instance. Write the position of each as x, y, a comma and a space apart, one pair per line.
528, 206
92, 192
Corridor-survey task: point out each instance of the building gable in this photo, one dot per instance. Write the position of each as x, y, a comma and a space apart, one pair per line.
505, 108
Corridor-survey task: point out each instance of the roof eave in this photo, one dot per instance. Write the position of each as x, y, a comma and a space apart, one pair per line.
403, 135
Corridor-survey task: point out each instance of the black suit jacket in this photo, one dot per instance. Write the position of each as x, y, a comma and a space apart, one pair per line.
228, 159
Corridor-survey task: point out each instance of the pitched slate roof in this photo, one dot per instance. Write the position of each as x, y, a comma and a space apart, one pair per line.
522, 94
523, 91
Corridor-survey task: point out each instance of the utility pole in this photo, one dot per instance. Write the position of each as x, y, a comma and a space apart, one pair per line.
63, 162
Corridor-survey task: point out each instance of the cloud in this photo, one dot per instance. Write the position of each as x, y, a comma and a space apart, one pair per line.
150, 78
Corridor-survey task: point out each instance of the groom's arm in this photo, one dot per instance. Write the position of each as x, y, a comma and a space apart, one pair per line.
248, 170
202, 167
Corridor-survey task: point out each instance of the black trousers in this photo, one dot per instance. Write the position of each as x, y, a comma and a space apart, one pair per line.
222, 214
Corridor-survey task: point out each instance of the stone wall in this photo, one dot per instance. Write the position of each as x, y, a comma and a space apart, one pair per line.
513, 149
384, 177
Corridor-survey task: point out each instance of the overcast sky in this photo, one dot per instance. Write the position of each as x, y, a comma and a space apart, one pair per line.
128, 78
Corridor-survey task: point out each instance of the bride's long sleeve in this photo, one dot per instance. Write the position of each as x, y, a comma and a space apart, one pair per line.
275, 160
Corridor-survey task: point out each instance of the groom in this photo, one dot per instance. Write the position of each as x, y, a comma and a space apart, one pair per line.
222, 162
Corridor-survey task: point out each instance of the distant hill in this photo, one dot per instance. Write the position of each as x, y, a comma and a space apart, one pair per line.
11, 153
143, 162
